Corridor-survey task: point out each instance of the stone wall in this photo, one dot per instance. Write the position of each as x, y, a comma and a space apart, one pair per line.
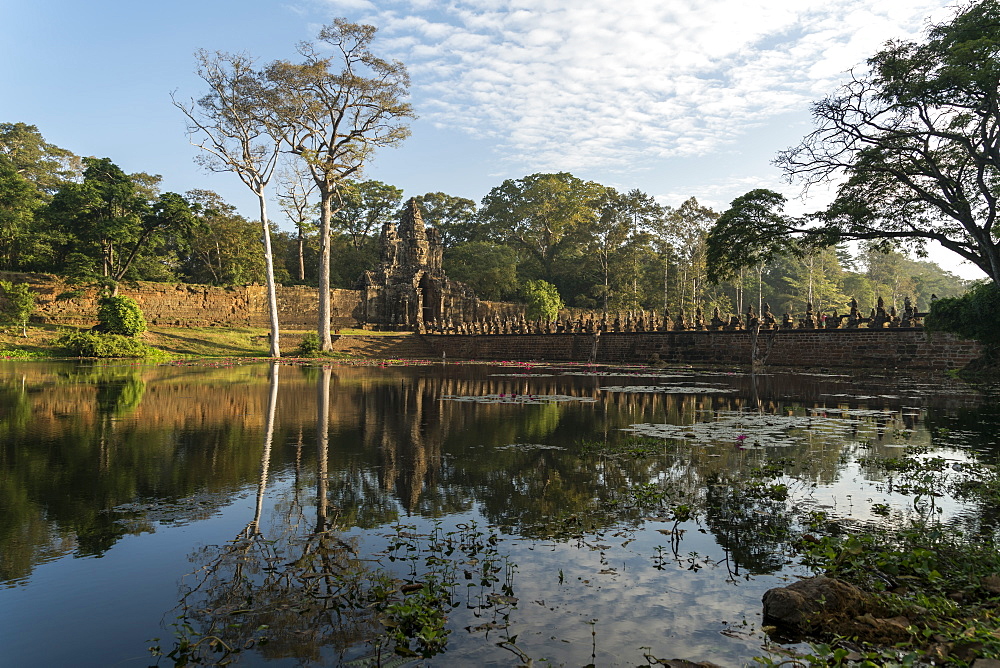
185, 305
860, 348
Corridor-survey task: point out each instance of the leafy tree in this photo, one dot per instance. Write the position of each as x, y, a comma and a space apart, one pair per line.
453, 217
20, 202
46, 166
541, 215
110, 219
223, 248
20, 303
816, 278
542, 299
31, 170
365, 207
489, 269
617, 240
232, 124
335, 110
913, 143
685, 230
753, 230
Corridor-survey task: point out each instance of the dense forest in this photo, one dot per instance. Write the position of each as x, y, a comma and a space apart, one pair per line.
602, 248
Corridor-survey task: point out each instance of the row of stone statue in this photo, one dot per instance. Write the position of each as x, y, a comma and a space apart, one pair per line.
879, 318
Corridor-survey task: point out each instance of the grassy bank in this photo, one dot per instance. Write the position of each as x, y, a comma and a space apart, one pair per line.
41, 341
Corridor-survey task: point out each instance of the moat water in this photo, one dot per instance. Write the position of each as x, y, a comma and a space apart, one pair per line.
547, 514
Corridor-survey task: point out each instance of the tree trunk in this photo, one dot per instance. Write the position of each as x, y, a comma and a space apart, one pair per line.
302, 260
666, 276
272, 294
325, 344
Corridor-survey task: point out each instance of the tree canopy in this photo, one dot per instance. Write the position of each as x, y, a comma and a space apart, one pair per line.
334, 111
913, 143
541, 214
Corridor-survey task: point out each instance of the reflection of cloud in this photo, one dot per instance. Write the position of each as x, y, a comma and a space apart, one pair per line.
575, 83
686, 608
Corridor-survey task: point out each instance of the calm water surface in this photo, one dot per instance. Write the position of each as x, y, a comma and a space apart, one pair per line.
574, 515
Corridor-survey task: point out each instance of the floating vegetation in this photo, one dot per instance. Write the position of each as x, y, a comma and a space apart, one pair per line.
671, 389
522, 375
139, 516
512, 398
769, 430
526, 447
620, 373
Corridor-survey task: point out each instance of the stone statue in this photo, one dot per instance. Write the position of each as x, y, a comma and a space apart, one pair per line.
809, 322
767, 318
717, 322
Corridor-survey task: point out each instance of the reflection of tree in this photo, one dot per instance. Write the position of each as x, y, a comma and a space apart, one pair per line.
299, 592
281, 593
69, 465
751, 521
120, 396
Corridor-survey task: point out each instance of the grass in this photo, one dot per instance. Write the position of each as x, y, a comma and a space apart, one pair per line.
175, 341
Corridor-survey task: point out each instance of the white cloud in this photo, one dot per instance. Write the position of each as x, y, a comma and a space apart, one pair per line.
566, 84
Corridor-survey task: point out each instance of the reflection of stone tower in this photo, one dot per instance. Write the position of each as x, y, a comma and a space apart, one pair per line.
409, 289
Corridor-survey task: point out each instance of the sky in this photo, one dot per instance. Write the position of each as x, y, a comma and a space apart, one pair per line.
678, 98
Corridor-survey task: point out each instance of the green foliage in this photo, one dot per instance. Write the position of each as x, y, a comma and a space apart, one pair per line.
20, 303
120, 315
542, 299
113, 219
544, 216
93, 344
453, 217
75, 293
222, 247
912, 143
420, 618
365, 207
753, 230
488, 268
975, 315
309, 345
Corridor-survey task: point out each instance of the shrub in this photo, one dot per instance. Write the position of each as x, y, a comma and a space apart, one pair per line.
91, 344
974, 315
75, 293
120, 315
309, 347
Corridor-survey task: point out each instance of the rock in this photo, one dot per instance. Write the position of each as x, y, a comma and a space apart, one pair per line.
991, 583
795, 604
986, 663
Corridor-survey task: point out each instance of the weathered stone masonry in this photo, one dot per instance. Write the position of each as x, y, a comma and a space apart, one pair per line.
185, 305
835, 348
245, 306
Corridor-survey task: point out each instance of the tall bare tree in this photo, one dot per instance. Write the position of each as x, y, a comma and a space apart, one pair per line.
336, 110
231, 124
296, 189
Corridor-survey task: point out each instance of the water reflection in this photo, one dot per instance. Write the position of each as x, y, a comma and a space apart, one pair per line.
96, 456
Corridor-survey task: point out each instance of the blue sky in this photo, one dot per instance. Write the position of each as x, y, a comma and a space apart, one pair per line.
679, 99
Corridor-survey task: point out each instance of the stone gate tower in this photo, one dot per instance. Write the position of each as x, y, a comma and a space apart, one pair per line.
409, 290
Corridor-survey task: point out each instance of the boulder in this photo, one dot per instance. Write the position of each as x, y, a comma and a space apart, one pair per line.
800, 603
